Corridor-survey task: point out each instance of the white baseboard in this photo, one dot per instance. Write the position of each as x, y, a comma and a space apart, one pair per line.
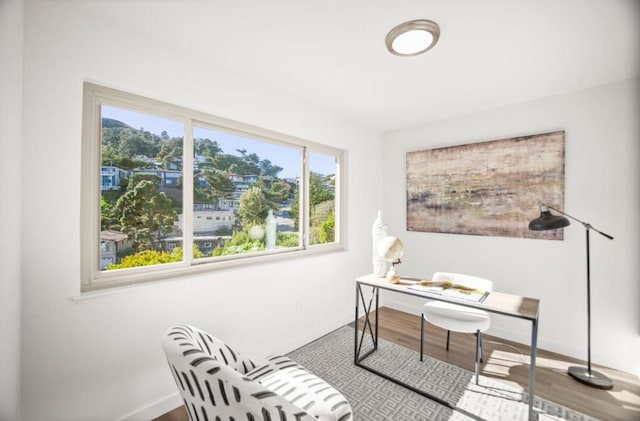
311, 335
155, 409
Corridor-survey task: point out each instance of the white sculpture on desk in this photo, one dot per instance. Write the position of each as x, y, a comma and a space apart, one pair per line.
391, 250
378, 232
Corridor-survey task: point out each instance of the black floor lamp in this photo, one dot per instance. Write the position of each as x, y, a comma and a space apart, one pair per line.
547, 221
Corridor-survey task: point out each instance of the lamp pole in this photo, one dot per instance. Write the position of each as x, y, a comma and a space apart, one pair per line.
589, 377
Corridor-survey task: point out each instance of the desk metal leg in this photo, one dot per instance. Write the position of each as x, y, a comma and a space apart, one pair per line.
355, 327
358, 360
367, 323
532, 366
375, 341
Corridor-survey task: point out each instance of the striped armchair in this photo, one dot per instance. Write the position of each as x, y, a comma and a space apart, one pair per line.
218, 384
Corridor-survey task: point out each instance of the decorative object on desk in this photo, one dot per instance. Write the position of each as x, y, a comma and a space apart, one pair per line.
548, 221
391, 250
392, 276
450, 289
480, 188
378, 232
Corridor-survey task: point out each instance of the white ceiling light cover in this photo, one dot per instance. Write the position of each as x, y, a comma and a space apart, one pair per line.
413, 37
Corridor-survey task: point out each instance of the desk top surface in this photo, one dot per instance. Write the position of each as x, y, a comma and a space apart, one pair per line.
495, 302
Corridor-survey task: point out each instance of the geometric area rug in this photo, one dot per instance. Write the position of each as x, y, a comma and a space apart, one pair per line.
374, 398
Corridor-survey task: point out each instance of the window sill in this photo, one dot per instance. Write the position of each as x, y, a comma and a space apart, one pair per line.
124, 283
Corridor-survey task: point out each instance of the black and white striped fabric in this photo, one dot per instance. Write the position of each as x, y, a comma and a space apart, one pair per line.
218, 384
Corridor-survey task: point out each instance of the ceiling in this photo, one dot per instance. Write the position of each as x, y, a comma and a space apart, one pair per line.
331, 53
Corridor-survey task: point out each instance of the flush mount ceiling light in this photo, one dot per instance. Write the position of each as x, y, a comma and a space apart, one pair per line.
413, 37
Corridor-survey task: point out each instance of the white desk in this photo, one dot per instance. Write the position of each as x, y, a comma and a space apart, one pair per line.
496, 302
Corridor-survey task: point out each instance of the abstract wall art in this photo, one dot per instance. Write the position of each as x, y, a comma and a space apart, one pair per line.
487, 188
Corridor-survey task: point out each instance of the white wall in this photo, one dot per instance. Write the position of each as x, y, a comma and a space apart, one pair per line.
11, 54
601, 187
100, 357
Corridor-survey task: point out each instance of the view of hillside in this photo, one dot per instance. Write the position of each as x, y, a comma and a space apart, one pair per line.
234, 192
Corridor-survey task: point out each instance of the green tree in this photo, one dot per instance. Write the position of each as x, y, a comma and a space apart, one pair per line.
153, 257
317, 218
319, 192
130, 143
145, 214
120, 141
224, 162
207, 147
221, 186
133, 181
247, 164
200, 194
280, 191
328, 229
107, 220
143, 258
295, 208
170, 152
254, 207
177, 253
288, 239
239, 243
268, 169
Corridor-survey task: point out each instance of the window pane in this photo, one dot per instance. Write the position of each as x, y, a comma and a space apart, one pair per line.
322, 207
243, 192
250, 191
141, 189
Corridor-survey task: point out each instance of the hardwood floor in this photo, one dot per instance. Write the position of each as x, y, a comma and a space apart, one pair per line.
509, 362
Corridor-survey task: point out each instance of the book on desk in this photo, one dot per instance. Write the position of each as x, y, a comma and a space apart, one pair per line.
458, 292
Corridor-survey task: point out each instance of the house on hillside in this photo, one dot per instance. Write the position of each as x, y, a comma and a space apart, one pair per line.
207, 220
205, 243
168, 178
110, 243
110, 177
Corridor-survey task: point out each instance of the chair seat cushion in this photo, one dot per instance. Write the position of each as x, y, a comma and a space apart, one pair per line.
290, 380
455, 317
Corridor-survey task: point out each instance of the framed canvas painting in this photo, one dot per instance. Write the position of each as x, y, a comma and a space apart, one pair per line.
487, 188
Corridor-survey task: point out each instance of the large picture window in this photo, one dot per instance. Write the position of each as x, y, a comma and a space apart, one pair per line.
168, 190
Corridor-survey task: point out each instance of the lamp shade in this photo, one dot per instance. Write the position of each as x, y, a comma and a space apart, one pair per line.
547, 221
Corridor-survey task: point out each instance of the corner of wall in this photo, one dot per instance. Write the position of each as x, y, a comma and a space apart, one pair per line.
11, 114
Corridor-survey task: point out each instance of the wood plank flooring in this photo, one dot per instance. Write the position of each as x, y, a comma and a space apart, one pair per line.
509, 362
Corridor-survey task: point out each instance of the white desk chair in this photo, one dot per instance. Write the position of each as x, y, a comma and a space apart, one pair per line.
456, 317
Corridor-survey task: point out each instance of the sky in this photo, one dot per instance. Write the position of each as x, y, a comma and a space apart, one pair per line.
285, 157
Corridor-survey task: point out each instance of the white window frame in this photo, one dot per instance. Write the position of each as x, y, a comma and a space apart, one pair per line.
92, 278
